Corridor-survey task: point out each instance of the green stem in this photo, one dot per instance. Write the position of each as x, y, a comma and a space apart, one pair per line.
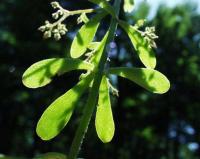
93, 96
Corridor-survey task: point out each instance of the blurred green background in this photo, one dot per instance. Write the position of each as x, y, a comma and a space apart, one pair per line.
148, 126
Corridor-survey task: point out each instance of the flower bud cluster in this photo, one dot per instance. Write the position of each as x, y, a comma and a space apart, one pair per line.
51, 30
149, 33
150, 36
57, 29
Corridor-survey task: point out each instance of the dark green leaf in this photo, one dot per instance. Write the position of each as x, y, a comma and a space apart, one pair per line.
41, 73
149, 79
104, 122
145, 53
57, 115
85, 36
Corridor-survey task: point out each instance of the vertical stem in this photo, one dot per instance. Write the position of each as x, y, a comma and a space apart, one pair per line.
93, 96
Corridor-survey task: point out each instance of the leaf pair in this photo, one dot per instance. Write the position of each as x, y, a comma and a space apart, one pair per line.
149, 79
145, 53
57, 115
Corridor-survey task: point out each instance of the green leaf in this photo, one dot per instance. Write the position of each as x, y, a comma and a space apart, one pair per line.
57, 115
128, 5
104, 122
93, 45
149, 79
105, 5
41, 73
85, 36
51, 155
99, 51
146, 54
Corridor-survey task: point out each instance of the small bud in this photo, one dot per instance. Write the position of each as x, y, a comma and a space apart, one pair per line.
42, 28
62, 32
47, 34
60, 12
152, 29
55, 15
140, 23
153, 44
57, 36
83, 18
55, 31
46, 22
79, 20
55, 4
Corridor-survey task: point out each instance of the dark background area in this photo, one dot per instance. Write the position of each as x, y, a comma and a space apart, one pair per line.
148, 126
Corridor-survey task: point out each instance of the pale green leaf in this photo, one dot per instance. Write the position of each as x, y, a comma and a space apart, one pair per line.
41, 73
145, 53
57, 115
104, 122
93, 45
105, 5
128, 5
149, 79
85, 36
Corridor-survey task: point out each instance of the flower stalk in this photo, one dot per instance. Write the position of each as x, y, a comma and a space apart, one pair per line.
93, 96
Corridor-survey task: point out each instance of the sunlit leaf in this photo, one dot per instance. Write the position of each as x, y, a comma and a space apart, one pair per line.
57, 115
41, 73
145, 53
104, 122
85, 36
128, 5
149, 79
93, 45
105, 5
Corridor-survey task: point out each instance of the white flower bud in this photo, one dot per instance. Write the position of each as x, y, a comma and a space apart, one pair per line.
55, 4
47, 34
55, 15
55, 31
42, 28
62, 32
57, 36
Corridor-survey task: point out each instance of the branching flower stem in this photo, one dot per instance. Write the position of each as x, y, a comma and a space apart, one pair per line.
93, 96
67, 13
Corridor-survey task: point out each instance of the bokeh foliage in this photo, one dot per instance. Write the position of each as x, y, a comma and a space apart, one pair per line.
148, 126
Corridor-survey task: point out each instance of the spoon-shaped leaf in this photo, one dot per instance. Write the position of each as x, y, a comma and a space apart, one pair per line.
85, 36
57, 115
149, 79
128, 5
105, 5
146, 54
41, 73
104, 122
